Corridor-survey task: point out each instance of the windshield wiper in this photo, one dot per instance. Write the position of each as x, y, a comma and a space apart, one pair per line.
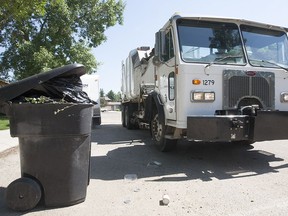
269, 62
221, 59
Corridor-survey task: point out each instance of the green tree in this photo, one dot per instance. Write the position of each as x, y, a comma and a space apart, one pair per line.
41, 34
103, 102
118, 97
102, 94
111, 95
114, 97
19, 10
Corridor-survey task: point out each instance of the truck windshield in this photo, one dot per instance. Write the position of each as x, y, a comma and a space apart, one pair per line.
265, 47
210, 42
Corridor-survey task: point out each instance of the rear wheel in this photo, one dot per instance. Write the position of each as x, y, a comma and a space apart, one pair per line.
23, 194
127, 118
130, 121
158, 131
123, 116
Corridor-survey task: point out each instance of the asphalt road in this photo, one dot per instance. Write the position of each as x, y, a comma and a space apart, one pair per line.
129, 177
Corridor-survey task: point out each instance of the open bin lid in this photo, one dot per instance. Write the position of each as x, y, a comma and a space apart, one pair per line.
18, 88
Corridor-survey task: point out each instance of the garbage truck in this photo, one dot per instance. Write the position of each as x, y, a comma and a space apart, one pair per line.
90, 85
209, 79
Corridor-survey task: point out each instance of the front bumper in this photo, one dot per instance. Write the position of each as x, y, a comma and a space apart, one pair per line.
265, 125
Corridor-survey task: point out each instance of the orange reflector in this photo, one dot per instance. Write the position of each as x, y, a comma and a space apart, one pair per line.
196, 82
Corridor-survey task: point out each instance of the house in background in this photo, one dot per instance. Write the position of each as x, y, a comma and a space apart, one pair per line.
114, 106
108, 105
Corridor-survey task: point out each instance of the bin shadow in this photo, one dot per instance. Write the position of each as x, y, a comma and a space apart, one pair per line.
4, 210
190, 161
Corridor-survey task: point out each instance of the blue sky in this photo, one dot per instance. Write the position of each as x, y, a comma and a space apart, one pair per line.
143, 18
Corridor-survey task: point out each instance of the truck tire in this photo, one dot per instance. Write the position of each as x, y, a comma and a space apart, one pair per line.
129, 120
127, 117
123, 115
96, 121
158, 131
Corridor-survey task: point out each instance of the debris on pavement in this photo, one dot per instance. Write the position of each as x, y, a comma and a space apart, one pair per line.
165, 200
127, 201
154, 164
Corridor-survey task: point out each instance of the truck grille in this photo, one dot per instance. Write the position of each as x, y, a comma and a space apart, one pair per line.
238, 86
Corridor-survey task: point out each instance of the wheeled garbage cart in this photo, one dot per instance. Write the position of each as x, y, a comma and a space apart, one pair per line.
54, 144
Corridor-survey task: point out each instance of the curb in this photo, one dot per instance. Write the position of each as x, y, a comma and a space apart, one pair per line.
9, 151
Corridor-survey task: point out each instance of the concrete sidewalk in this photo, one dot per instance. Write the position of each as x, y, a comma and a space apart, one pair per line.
6, 141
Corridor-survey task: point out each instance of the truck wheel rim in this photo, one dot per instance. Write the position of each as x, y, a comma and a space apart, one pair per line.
156, 128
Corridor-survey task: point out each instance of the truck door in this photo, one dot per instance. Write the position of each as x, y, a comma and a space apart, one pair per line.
166, 77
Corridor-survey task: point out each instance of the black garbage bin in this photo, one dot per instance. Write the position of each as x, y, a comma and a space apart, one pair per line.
54, 147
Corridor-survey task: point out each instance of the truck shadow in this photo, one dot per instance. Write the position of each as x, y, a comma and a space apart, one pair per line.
190, 161
116, 134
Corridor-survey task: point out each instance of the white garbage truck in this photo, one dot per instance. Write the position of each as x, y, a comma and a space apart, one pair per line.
209, 79
90, 85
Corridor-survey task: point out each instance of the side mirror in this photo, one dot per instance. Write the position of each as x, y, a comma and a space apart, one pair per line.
156, 60
159, 47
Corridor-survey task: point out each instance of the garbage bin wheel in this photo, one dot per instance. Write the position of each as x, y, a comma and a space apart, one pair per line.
23, 194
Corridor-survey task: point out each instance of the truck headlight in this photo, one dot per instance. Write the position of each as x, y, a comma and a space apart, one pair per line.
201, 96
284, 97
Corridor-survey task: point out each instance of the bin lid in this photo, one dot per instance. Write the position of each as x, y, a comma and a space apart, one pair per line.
16, 89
